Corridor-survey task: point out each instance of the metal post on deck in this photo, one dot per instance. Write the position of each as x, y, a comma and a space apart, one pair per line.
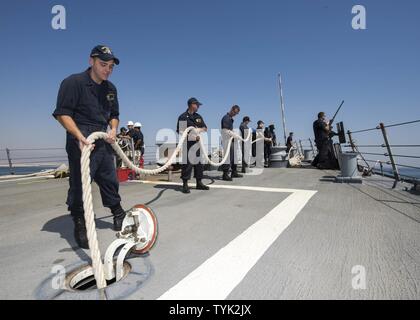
301, 148
312, 147
282, 109
351, 141
132, 150
391, 157
10, 161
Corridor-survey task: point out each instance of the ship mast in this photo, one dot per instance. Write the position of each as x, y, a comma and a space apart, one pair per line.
282, 109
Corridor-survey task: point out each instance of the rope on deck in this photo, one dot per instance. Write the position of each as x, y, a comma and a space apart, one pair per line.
97, 264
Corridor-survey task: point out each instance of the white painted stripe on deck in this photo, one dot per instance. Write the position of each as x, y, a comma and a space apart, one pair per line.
220, 274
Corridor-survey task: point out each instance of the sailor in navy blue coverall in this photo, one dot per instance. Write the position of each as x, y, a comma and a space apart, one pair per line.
191, 118
88, 102
227, 123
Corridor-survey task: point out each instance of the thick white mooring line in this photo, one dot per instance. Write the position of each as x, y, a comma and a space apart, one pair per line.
97, 264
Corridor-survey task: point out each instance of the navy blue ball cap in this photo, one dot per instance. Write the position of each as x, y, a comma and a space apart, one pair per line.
195, 101
104, 53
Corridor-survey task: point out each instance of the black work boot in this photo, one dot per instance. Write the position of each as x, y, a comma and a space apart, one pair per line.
80, 233
235, 174
245, 168
119, 215
118, 221
185, 187
226, 176
201, 186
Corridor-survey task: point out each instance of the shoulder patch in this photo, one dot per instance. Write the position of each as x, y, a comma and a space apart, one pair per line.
110, 96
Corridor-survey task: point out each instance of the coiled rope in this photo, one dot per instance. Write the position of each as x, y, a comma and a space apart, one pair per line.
97, 265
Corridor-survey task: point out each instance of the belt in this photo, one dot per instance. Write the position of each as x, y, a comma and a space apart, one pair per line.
92, 127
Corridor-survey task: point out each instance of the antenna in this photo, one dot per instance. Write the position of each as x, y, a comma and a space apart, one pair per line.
282, 109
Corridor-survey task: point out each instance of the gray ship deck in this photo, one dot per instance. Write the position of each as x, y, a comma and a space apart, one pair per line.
339, 227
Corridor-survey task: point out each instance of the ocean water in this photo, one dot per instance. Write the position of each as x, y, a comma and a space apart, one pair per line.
405, 172
24, 170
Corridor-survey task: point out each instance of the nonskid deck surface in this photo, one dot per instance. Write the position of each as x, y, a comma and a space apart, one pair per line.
284, 234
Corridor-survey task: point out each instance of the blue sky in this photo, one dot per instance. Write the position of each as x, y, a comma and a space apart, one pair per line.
222, 52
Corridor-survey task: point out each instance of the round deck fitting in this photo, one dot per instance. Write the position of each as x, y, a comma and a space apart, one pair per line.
76, 282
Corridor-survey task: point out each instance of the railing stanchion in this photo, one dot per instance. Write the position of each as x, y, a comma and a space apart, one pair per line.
391, 158
312, 147
351, 140
132, 149
301, 148
10, 161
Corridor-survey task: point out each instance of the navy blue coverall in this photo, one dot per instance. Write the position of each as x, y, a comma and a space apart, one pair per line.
227, 123
186, 120
92, 106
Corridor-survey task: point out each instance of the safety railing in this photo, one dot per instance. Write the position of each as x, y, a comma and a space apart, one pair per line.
391, 164
20, 160
306, 144
17, 160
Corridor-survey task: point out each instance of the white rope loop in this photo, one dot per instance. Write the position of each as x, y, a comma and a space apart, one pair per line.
102, 135
97, 264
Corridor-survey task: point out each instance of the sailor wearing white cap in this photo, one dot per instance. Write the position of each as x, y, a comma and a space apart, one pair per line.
138, 138
130, 127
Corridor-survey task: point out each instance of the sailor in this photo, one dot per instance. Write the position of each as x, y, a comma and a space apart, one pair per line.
289, 143
138, 138
191, 118
244, 133
227, 123
257, 132
321, 132
130, 126
138, 145
122, 139
123, 132
88, 102
273, 134
268, 143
